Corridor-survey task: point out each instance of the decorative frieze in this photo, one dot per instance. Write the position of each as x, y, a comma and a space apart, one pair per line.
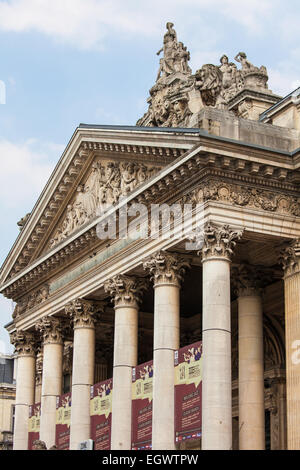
84, 313
290, 257
245, 196
24, 342
126, 290
107, 182
51, 330
166, 268
35, 298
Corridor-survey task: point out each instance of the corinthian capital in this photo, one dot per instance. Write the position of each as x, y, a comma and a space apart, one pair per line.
126, 290
50, 329
249, 280
166, 268
84, 313
24, 343
219, 241
290, 258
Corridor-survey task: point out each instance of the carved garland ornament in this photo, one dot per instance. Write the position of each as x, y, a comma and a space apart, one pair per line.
244, 196
126, 290
28, 302
166, 268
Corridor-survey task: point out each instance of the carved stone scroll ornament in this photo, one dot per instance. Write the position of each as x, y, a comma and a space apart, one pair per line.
107, 182
51, 330
290, 257
166, 268
217, 241
84, 313
244, 196
126, 290
24, 342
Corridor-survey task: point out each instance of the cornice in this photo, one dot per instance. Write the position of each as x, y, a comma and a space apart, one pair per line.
228, 160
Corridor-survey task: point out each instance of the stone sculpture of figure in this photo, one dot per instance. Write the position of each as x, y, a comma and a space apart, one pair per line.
227, 71
182, 58
79, 206
241, 57
128, 179
91, 190
169, 49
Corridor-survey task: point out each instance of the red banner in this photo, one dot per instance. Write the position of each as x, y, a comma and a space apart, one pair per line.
101, 401
141, 429
34, 424
188, 392
63, 421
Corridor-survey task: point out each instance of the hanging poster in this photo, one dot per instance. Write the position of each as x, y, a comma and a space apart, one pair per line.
188, 392
63, 421
101, 403
34, 424
142, 385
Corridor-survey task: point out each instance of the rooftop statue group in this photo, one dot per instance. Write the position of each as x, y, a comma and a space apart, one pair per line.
214, 85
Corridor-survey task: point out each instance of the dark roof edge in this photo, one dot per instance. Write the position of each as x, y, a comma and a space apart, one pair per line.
186, 130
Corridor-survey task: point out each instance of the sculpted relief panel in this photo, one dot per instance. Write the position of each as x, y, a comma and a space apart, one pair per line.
107, 182
178, 95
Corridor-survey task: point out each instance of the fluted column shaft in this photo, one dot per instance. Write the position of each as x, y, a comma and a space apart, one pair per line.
216, 337
166, 270
292, 339
251, 370
83, 314
51, 331
25, 348
126, 292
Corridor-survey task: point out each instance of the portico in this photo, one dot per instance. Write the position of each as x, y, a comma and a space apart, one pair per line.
91, 307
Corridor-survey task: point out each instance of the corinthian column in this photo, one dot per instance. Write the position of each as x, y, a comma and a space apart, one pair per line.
218, 244
126, 292
251, 359
291, 265
24, 343
51, 331
166, 270
83, 314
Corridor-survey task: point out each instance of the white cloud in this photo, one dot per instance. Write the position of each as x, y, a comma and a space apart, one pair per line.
25, 169
86, 23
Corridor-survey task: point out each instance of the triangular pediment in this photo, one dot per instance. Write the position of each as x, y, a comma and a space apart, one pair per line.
99, 165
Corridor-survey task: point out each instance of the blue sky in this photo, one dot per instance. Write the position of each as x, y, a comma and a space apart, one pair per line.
69, 61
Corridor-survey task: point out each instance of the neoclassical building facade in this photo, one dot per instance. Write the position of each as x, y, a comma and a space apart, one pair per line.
221, 146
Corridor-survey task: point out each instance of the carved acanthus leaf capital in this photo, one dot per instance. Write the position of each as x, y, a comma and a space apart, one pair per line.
126, 290
51, 330
249, 280
218, 241
24, 342
290, 258
166, 268
84, 313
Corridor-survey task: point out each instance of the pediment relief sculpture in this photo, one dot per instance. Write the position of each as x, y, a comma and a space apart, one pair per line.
178, 95
107, 182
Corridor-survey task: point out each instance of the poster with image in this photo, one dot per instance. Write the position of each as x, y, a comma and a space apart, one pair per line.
34, 424
63, 421
142, 394
188, 392
100, 408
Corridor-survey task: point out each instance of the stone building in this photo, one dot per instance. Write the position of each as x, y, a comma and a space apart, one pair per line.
217, 141
7, 401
